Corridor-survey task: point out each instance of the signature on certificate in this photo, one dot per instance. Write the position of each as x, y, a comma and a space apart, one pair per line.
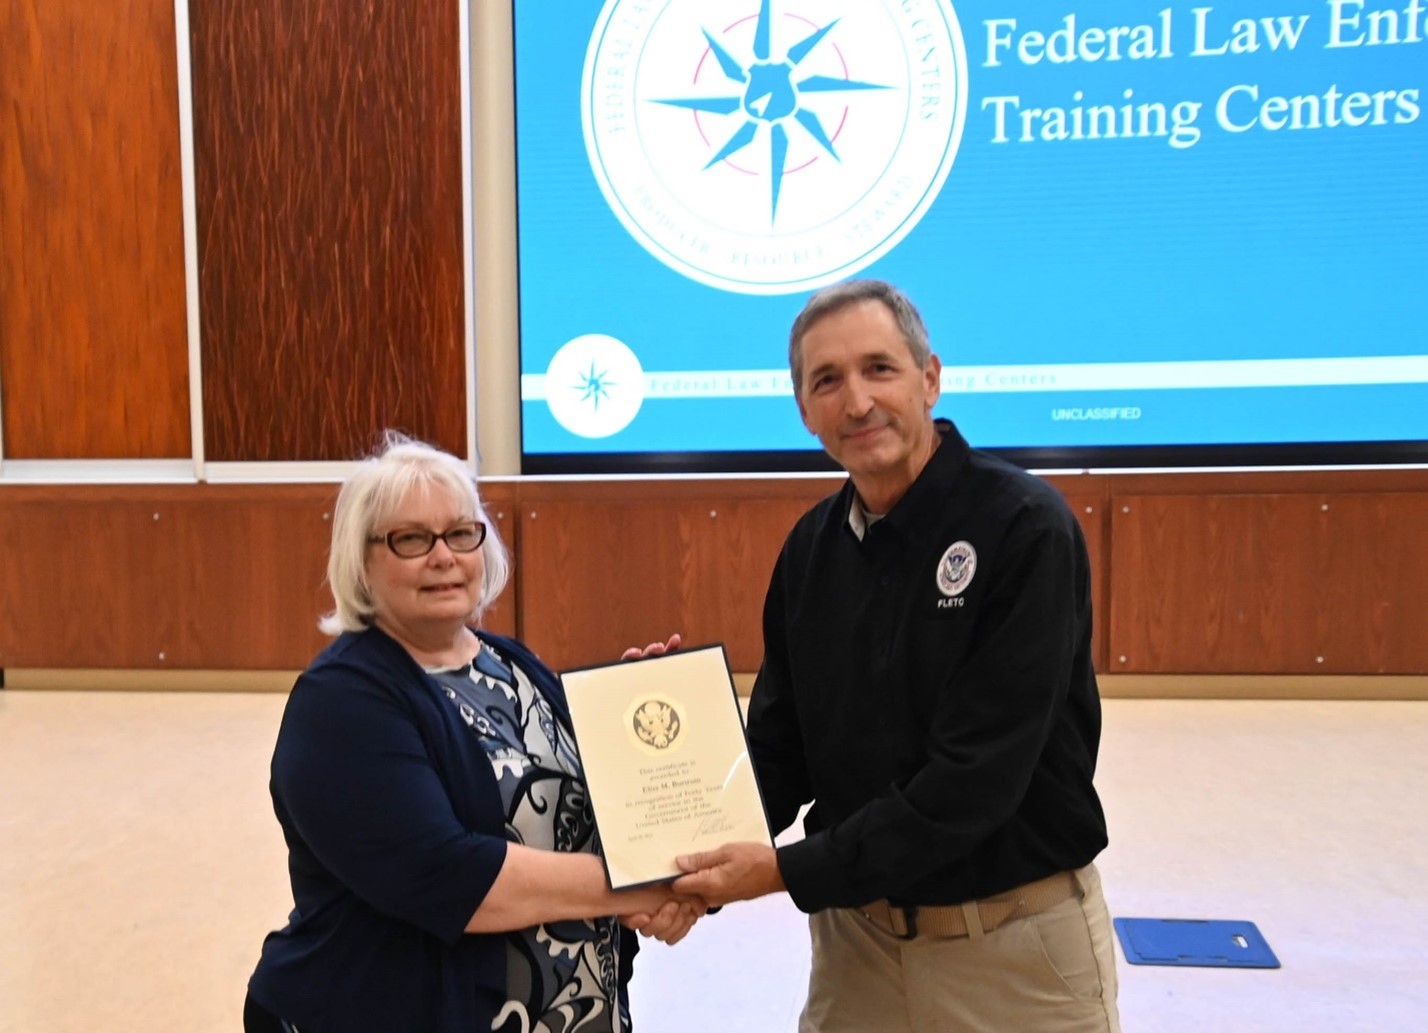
713, 824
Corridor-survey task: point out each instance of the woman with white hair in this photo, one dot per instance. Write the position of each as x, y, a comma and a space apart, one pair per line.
441, 848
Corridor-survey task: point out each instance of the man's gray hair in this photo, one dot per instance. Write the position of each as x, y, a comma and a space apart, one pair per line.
850, 292
371, 496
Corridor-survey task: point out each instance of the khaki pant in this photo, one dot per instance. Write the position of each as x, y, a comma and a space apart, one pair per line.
1054, 972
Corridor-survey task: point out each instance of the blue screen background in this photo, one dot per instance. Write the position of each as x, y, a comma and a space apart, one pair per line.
1288, 244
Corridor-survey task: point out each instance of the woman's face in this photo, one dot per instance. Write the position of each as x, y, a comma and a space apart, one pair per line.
424, 597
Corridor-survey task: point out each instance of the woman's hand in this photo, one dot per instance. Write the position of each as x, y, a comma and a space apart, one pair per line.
653, 649
671, 923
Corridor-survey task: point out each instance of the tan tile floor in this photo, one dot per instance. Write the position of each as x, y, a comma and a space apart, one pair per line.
140, 867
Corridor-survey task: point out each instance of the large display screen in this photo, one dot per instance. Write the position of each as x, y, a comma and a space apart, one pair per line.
1139, 234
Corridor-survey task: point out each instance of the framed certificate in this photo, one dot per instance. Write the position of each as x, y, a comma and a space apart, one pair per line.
666, 762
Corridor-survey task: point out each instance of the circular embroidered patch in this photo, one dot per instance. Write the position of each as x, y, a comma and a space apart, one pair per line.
956, 568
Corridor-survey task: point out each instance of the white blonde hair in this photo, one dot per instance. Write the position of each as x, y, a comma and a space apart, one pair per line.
371, 496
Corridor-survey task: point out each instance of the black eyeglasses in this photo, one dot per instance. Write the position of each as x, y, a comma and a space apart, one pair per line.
411, 542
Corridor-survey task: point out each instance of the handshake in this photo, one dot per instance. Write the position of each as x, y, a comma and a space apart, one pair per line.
735, 871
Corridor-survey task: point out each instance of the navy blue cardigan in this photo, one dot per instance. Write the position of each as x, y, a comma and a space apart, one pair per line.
395, 833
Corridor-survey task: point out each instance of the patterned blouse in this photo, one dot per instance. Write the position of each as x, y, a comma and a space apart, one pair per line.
561, 977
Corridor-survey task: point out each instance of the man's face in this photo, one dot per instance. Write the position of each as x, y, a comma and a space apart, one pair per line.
864, 396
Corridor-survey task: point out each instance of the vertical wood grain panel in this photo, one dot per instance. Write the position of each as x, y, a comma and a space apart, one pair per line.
82, 584
501, 504
164, 577
1370, 571
1270, 584
93, 317
734, 545
596, 577
1092, 513
1207, 584
327, 139
246, 576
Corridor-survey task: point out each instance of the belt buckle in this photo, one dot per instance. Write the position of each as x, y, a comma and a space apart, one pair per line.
909, 919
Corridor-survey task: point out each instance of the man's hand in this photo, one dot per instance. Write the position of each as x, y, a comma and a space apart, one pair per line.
735, 871
653, 649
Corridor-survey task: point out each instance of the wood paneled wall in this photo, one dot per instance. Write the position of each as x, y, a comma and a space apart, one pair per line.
328, 163
501, 505
93, 317
1270, 574
1307, 573
607, 565
188, 576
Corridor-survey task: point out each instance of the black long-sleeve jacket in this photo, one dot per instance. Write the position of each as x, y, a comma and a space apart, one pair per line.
930, 688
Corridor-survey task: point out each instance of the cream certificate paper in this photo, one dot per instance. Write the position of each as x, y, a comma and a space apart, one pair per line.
666, 762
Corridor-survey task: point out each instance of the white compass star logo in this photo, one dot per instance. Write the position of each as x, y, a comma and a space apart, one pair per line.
594, 386
771, 96
772, 146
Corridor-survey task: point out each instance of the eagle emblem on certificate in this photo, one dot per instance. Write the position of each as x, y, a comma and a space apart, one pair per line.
656, 724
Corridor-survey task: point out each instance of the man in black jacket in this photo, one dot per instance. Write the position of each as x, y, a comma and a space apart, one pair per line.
927, 685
